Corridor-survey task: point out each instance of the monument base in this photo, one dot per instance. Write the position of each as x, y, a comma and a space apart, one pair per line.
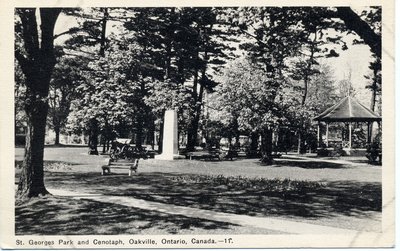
169, 156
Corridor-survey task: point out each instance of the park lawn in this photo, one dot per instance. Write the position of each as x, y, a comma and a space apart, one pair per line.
339, 201
58, 215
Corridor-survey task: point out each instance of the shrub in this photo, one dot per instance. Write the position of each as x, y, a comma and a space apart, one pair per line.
283, 186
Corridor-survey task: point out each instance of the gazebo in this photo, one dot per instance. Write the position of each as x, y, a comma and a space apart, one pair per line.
348, 110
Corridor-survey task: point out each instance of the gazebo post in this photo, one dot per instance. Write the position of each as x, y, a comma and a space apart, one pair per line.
327, 134
318, 135
349, 135
369, 132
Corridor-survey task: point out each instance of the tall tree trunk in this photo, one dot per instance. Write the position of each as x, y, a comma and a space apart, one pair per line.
370, 125
161, 135
198, 99
267, 147
103, 32
196, 119
31, 182
236, 132
37, 65
298, 142
374, 88
254, 141
139, 131
93, 123
306, 79
93, 136
192, 128
150, 134
253, 151
57, 132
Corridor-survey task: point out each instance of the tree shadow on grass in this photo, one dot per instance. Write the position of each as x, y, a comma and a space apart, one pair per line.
65, 216
347, 198
49, 162
309, 164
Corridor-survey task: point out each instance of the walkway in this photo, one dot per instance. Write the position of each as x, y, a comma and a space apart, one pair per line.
280, 225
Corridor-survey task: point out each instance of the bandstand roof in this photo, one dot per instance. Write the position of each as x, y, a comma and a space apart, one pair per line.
348, 110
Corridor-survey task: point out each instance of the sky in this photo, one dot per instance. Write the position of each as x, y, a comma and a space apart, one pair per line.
355, 60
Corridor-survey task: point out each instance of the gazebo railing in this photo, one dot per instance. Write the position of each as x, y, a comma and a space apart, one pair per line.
345, 144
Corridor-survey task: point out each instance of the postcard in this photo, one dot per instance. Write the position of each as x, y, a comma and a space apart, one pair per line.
212, 124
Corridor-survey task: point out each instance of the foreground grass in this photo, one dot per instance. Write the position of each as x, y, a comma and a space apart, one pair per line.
338, 204
336, 195
54, 215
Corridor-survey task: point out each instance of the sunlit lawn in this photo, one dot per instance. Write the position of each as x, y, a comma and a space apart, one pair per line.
314, 192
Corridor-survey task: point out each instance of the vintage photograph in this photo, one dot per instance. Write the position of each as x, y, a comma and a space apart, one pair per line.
197, 121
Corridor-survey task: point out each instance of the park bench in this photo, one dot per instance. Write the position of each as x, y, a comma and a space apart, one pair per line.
130, 164
229, 154
203, 155
124, 156
213, 154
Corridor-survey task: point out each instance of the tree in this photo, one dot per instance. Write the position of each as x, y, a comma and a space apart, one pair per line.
181, 43
276, 37
322, 93
66, 77
370, 35
88, 40
376, 81
306, 65
34, 51
248, 95
209, 52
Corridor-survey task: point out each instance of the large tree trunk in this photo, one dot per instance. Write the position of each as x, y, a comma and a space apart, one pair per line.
266, 145
150, 134
139, 131
93, 136
193, 124
161, 135
57, 132
31, 181
103, 32
37, 64
298, 142
196, 119
253, 151
306, 78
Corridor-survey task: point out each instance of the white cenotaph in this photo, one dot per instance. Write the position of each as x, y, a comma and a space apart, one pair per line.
170, 137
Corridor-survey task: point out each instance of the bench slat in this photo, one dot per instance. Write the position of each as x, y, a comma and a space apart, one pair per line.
120, 164
120, 167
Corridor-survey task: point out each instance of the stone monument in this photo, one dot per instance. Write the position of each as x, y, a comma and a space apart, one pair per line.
170, 137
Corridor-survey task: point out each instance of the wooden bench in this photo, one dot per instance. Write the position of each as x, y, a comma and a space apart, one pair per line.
203, 155
229, 154
130, 164
210, 155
